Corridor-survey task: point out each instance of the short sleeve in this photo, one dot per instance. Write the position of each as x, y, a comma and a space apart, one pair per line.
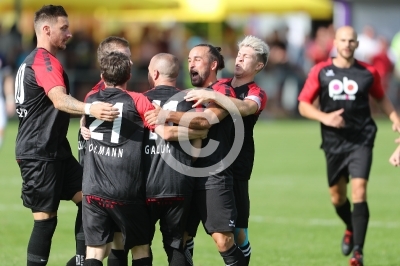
257, 95
142, 106
311, 87
376, 90
48, 71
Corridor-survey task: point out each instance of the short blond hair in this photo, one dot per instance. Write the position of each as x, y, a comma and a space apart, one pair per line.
261, 48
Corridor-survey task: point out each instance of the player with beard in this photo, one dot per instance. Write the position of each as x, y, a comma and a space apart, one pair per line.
116, 197
168, 190
49, 171
343, 85
213, 196
250, 100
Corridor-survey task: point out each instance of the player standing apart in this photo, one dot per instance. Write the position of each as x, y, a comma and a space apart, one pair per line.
343, 86
49, 171
250, 100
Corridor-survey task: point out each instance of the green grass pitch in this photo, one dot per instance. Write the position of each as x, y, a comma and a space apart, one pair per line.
292, 221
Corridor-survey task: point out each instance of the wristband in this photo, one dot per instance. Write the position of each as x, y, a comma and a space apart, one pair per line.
87, 108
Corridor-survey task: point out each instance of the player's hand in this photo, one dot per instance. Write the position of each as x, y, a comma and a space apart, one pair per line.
396, 127
82, 121
395, 157
104, 111
204, 133
334, 119
85, 132
202, 96
157, 116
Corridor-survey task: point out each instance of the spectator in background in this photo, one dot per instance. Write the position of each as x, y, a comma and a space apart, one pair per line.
7, 100
289, 78
368, 45
319, 49
383, 63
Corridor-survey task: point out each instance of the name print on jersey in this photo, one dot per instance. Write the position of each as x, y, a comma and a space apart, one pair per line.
106, 151
337, 87
157, 149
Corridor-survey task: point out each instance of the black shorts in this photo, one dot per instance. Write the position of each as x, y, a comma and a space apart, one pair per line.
172, 214
101, 217
193, 220
356, 163
217, 209
45, 183
242, 200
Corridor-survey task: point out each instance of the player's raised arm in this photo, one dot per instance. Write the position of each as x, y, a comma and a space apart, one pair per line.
232, 105
195, 120
180, 133
66, 103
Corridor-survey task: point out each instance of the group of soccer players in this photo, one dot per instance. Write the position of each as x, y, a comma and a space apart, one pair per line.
173, 156
206, 191
141, 164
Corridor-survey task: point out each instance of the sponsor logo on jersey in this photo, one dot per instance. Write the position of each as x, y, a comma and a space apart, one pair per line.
343, 90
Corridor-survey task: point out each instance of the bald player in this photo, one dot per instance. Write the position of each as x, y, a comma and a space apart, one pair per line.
168, 190
343, 85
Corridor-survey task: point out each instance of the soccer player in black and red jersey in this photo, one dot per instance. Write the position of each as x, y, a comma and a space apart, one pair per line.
343, 86
213, 196
113, 183
117, 255
250, 100
168, 191
49, 171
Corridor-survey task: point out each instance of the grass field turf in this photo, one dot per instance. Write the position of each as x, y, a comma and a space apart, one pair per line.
292, 221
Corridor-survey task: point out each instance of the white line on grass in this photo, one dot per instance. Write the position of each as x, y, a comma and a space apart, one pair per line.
317, 222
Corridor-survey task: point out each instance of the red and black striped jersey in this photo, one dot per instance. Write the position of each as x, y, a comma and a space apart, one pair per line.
113, 157
242, 167
347, 88
42, 131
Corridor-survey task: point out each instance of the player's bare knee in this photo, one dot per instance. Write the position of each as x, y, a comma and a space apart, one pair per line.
359, 190
38, 216
338, 199
141, 251
118, 242
224, 241
359, 195
96, 252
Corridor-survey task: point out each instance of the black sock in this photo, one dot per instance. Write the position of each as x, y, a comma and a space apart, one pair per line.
40, 242
360, 224
93, 262
117, 257
246, 249
79, 237
176, 257
344, 212
190, 246
233, 256
142, 262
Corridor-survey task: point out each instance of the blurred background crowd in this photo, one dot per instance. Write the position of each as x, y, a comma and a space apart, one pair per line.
300, 33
